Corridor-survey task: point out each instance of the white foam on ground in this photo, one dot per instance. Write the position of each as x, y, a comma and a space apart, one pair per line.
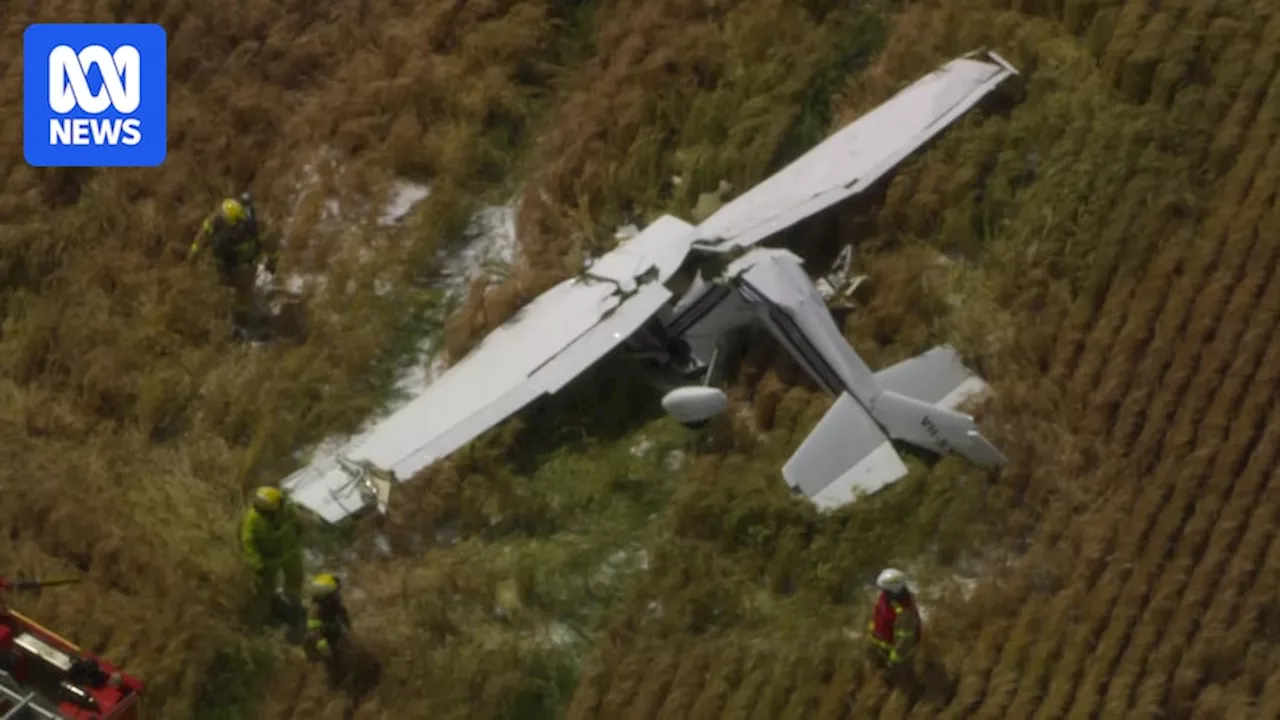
489, 247
405, 195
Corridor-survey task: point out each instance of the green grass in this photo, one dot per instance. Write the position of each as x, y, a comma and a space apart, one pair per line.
235, 679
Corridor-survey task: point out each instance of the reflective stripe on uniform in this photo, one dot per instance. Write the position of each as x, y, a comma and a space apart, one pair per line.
898, 631
871, 634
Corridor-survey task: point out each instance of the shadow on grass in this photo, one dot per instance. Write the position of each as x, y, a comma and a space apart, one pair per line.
235, 680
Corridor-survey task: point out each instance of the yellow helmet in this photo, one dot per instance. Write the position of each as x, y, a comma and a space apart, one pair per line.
324, 585
233, 210
267, 499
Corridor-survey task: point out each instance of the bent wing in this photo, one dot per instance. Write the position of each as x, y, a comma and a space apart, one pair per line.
856, 156
545, 346
661, 248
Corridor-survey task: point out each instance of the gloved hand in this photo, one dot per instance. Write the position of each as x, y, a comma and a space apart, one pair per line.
322, 647
895, 658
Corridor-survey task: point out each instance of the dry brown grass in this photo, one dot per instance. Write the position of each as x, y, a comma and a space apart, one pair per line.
1115, 286
1108, 247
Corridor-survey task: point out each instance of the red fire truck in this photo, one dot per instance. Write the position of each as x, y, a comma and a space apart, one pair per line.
44, 676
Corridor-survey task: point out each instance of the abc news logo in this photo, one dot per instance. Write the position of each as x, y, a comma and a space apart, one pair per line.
69, 89
95, 95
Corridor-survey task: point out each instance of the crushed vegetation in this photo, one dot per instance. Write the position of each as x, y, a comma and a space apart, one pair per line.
1095, 245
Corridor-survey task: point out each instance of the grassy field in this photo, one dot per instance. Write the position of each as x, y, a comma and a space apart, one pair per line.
1096, 246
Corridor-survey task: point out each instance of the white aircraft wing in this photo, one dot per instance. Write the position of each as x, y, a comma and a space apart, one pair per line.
542, 348
551, 342
857, 155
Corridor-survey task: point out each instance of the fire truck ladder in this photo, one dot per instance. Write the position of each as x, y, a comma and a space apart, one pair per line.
26, 706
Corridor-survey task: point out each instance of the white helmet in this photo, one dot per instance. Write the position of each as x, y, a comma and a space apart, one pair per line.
891, 580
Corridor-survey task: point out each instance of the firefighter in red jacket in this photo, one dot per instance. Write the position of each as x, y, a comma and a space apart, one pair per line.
895, 626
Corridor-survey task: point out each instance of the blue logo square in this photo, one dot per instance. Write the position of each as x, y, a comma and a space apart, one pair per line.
95, 95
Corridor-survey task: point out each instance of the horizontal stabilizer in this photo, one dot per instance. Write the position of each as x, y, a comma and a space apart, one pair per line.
844, 453
934, 428
937, 377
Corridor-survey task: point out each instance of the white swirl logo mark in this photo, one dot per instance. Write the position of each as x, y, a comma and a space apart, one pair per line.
69, 86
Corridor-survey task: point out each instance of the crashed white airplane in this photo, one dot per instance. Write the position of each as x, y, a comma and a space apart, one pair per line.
672, 295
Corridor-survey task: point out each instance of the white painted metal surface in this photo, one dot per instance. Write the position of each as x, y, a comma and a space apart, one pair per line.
937, 377
661, 247
856, 156
844, 452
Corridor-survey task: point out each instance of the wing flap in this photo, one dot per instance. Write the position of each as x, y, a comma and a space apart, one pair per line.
601, 339
845, 452
553, 375
502, 362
